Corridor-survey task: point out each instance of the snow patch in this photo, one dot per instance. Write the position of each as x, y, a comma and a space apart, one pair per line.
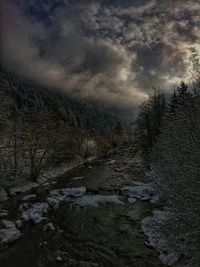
131, 200
140, 191
9, 235
153, 227
77, 195
36, 212
59, 195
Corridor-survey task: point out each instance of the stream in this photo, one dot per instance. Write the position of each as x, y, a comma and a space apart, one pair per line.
100, 228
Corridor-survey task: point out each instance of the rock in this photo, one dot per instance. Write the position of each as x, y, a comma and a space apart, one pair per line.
135, 214
81, 167
8, 224
90, 167
47, 184
3, 195
73, 262
24, 206
49, 226
41, 180
146, 198
29, 197
19, 224
135, 183
147, 245
79, 178
139, 190
125, 191
71, 192
87, 264
3, 213
131, 200
54, 172
36, 212
142, 191
44, 243
59, 195
23, 188
154, 200
9, 235
111, 162
58, 258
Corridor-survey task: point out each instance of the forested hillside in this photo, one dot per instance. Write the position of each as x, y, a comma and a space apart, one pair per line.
41, 127
168, 128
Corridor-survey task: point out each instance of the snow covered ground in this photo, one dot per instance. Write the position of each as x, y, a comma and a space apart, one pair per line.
59, 195
154, 228
141, 191
36, 212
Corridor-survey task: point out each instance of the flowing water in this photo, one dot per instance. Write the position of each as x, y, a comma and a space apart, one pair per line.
99, 229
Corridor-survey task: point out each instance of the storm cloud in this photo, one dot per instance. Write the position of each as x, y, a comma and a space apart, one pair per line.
112, 52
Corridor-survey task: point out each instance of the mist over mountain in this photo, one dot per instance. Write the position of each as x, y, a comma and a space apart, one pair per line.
30, 97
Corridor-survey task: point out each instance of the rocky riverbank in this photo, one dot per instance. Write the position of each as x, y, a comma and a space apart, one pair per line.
89, 216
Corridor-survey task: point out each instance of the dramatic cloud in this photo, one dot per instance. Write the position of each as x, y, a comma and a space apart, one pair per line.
112, 52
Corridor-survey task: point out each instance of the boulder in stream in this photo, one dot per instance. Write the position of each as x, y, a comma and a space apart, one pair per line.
10, 233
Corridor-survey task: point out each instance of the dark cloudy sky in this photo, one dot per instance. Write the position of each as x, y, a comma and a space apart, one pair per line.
110, 51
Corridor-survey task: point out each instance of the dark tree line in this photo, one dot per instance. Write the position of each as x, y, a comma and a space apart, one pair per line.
148, 123
173, 137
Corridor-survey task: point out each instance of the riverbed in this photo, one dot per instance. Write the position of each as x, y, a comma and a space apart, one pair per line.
100, 228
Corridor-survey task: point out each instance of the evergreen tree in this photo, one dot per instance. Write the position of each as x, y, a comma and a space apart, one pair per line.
149, 121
